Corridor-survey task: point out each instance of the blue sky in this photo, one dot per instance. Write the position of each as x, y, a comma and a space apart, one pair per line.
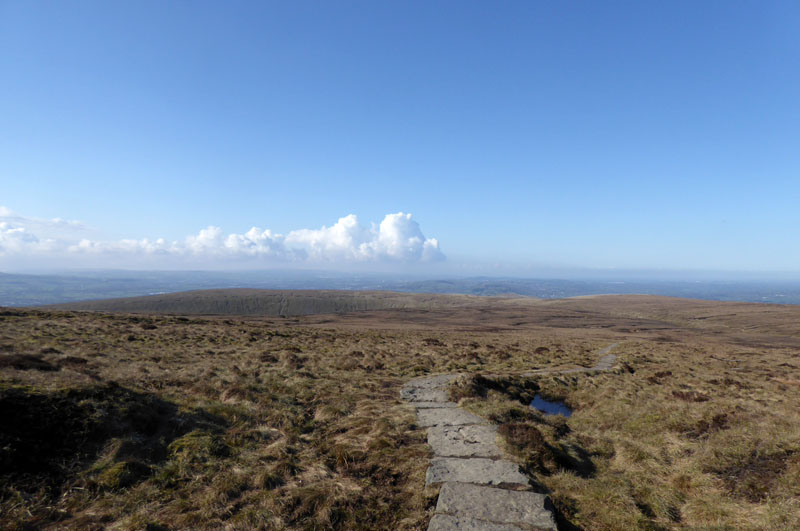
519, 135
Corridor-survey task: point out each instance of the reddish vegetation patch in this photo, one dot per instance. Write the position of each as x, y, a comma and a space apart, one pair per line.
706, 427
658, 377
432, 342
736, 383
690, 396
754, 477
523, 437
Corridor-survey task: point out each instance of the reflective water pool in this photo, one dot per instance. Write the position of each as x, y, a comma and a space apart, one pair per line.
550, 408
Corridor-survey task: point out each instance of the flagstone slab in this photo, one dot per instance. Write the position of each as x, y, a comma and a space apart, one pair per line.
439, 381
447, 417
476, 470
445, 522
496, 505
430, 405
418, 394
476, 484
464, 441
605, 363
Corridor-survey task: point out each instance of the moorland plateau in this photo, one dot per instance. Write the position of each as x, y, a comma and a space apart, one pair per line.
282, 410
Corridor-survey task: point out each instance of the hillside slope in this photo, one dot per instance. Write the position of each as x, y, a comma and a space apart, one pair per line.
270, 302
251, 422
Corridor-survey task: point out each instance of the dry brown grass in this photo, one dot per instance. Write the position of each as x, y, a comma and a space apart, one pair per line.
204, 422
208, 423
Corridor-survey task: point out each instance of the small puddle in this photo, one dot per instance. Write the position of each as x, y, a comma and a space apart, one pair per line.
550, 408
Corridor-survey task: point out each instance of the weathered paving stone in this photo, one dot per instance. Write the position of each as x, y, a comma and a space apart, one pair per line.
573, 371
445, 522
427, 389
495, 505
605, 363
464, 446
416, 394
430, 405
447, 417
432, 382
474, 470
463, 441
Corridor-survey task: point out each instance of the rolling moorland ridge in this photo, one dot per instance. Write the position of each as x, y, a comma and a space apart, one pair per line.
43, 289
283, 410
281, 303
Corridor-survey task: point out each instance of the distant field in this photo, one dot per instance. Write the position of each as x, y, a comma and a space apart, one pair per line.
143, 420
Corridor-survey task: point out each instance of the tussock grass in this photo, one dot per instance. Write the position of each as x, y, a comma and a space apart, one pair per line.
205, 423
165, 422
677, 441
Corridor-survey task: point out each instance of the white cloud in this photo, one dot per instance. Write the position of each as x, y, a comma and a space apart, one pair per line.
208, 240
258, 242
398, 238
20, 234
346, 240
55, 224
15, 239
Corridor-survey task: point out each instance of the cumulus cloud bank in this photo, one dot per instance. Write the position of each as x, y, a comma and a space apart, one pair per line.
398, 238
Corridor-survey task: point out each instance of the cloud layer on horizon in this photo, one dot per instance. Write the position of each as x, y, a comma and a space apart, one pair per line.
397, 239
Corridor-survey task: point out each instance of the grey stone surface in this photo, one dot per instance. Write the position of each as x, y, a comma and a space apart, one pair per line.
464, 446
417, 394
432, 382
429, 405
447, 417
463, 441
495, 505
605, 363
445, 522
477, 470
427, 388
572, 371
608, 360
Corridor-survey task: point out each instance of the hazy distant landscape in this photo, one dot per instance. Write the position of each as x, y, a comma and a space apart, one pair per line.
33, 290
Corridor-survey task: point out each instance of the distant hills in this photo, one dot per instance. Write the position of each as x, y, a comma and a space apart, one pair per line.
270, 302
34, 290
628, 314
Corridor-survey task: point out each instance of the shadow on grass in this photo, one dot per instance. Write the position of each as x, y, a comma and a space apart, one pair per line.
49, 437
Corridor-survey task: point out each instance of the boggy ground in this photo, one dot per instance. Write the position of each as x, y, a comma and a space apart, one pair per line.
137, 421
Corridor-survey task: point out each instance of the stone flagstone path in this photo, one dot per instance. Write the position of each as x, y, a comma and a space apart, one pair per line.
480, 490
